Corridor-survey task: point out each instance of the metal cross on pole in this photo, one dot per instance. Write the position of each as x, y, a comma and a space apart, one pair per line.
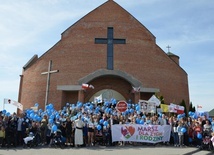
168, 48
49, 72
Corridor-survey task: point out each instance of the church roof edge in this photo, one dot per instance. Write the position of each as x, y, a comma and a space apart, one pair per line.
30, 62
108, 1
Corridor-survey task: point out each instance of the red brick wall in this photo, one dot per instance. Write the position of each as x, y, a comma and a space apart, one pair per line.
76, 55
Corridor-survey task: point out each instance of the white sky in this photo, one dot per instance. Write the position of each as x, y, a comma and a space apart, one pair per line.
32, 27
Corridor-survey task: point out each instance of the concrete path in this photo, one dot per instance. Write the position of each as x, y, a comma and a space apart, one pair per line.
101, 150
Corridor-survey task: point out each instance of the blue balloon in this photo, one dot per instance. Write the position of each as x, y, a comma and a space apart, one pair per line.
51, 106
137, 108
4, 111
131, 111
35, 116
143, 116
8, 114
195, 116
114, 101
40, 110
190, 113
52, 117
91, 107
101, 121
105, 123
183, 130
57, 116
36, 104
47, 107
199, 136
107, 110
49, 112
79, 104
97, 109
32, 115
99, 127
50, 121
38, 118
54, 128
137, 120
127, 111
141, 122
106, 103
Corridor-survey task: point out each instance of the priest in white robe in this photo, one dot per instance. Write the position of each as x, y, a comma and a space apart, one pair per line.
78, 137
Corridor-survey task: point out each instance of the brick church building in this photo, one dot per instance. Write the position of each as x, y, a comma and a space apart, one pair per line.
111, 50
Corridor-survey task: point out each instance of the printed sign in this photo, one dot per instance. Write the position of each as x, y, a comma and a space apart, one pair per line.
121, 106
141, 133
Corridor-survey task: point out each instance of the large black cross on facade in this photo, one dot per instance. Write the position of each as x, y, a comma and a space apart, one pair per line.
110, 41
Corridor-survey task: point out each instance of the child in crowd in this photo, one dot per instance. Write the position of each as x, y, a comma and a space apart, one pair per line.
180, 134
197, 131
2, 136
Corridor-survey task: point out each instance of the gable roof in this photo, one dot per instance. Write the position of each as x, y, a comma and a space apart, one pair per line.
211, 113
113, 14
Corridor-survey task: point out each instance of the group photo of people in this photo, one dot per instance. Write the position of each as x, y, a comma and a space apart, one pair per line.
88, 125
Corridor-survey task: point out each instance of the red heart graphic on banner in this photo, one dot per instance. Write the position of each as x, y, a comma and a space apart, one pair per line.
131, 130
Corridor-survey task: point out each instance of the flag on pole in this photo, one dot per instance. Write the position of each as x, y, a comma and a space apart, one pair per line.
86, 86
15, 103
165, 107
180, 109
135, 89
199, 106
172, 108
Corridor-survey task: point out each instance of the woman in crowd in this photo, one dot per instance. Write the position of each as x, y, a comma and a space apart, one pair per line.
197, 130
69, 132
91, 131
43, 129
174, 124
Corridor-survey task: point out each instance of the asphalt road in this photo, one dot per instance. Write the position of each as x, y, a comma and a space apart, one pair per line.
101, 150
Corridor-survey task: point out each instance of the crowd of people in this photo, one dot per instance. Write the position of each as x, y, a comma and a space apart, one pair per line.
79, 125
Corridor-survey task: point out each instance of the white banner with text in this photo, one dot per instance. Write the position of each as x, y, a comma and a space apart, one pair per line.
141, 133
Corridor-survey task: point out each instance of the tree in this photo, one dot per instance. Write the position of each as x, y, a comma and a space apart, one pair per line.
161, 98
193, 109
190, 106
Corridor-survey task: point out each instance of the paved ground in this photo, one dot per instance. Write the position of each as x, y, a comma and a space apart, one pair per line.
99, 150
